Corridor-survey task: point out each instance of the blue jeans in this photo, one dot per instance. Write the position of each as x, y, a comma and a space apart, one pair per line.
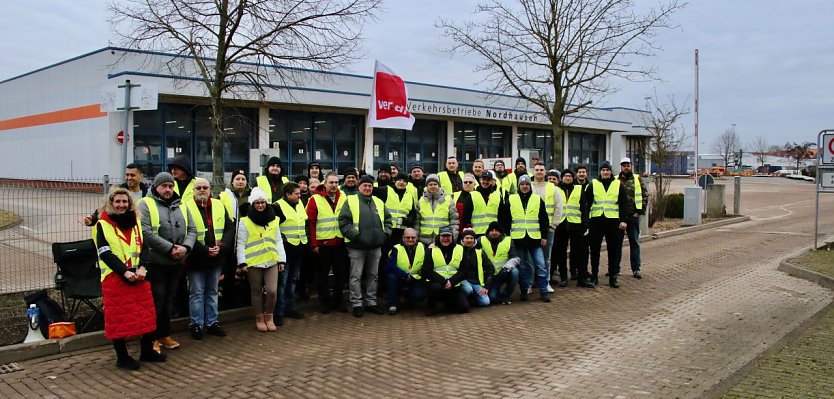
202, 295
288, 279
396, 287
533, 262
633, 231
471, 290
551, 235
508, 280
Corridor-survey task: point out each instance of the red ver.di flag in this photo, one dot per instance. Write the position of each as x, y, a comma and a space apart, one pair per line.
389, 101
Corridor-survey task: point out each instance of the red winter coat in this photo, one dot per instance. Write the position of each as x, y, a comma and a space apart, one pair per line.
128, 308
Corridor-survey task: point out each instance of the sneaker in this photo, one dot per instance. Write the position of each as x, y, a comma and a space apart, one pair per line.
392, 310
169, 343
358, 311
156, 347
550, 289
294, 314
216, 330
375, 309
529, 290
585, 283
638, 275
563, 284
612, 281
506, 302
127, 363
197, 332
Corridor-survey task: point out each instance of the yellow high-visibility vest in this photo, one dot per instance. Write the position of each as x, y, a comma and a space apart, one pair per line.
327, 220
263, 182
189, 190
399, 208
525, 221
260, 246
605, 202
432, 221
446, 181
353, 204
501, 254
447, 270
573, 210
412, 268
127, 253
293, 227
218, 219
153, 213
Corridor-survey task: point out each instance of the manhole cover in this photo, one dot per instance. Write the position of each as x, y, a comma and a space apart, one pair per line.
10, 368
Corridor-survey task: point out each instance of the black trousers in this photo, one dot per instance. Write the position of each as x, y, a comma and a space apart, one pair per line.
578, 252
453, 299
337, 258
145, 345
164, 280
559, 252
608, 229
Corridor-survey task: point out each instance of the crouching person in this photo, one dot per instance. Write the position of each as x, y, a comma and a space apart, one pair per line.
477, 270
260, 253
405, 261
500, 251
443, 271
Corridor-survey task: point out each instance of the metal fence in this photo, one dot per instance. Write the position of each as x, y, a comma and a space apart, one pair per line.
33, 215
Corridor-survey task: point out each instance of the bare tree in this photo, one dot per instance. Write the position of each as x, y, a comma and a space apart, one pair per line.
238, 46
726, 145
560, 55
759, 147
663, 146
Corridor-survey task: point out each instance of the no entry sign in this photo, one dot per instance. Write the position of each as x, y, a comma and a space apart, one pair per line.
120, 137
827, 149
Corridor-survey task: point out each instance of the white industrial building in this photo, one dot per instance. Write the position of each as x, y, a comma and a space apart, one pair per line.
52, 124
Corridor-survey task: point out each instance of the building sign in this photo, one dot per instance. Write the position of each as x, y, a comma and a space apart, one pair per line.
468, 111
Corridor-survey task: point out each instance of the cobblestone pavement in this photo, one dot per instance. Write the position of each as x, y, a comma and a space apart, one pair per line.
710, 301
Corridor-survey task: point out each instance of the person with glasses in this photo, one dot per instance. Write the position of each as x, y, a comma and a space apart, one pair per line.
402, 270
205, 264
463, 202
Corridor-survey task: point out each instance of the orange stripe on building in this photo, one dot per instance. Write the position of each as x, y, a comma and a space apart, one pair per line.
48, 118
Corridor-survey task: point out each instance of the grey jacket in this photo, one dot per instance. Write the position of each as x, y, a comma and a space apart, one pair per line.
433, 200
172, 230
370, 234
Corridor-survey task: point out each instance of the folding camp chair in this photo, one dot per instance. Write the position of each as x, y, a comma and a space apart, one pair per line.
78, 278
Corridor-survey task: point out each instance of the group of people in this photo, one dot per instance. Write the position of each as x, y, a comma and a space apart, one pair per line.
454, 239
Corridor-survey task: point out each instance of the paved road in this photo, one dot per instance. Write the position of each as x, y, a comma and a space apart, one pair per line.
710, 302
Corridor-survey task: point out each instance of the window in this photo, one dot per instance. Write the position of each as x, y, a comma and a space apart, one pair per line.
473, 141
403, 148
540, 140
636, 150
586, 148
334, 140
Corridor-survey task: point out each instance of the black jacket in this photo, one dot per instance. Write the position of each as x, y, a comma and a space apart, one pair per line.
622, 199
544, 223
503, 206
469, 266
428, 266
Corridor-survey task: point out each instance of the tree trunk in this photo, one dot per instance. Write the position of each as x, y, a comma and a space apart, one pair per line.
217, 181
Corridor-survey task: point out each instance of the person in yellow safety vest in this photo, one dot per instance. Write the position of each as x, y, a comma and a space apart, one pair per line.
451, 179
260, 254
501, 252
554, 204
402, 270
327, 244
234, 198
416, 181
434, 210
365, 224
520, 167
637, 198
128, 301
529, 228
477, 270
272, 181
478, 170
383, 176
215, 240
442, 270
292, 218
399, 202
466, 204
507, 181
606, 202
491, 204
180, 168
553, 177
572, 230
350, 186
169, 233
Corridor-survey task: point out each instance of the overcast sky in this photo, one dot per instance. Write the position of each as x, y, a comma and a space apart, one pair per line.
766, 65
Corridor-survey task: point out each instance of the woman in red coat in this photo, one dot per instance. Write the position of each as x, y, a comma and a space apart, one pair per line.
128, 303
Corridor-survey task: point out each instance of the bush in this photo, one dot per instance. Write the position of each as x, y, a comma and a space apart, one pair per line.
674, 206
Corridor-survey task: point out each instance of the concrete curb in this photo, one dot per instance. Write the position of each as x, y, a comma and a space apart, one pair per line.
797, 271
51, 347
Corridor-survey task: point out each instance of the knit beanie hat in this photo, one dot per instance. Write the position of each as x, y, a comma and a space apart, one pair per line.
493, 226
568, 172
366, 179
257, 194
163, 177
554, 172
401, 176
433, 178
524, 179
467, 232
605, 165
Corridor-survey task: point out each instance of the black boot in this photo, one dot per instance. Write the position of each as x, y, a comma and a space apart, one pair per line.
595, 279
612, 281
584, 283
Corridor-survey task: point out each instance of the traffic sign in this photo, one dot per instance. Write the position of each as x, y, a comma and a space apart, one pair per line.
826, 178
828, 149
705, 181
120, 137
